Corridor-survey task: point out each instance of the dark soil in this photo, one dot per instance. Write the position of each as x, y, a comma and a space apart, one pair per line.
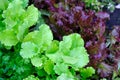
114, 19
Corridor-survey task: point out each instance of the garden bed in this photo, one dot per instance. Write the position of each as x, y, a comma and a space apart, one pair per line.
59, 40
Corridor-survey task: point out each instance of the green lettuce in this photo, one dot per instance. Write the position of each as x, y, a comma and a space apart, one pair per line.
35, 43
53, 57
17, 20
31, 77
71, 52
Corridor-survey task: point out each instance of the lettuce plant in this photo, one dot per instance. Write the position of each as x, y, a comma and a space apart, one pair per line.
17, 20
56, 57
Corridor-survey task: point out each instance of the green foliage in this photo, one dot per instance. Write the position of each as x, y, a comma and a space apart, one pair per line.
25, 3
48, 67
13, 66
8, 40
117, 79
35, 43
3, 4
54, 47
31, 77
60, 68
34, 54
17, 21
36, 61
109, 4
98, 5
52, 56
71, 52
95, 4
42, 37
29, 50
64, 76
87, 72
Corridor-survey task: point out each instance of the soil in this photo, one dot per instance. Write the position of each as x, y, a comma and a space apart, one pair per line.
114, 19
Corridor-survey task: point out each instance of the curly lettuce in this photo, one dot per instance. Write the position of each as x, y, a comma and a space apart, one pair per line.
17, 20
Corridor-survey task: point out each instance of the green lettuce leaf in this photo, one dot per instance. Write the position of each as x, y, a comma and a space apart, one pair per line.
53, 47
8, 40
87, 72
48, 67
61, 68
13, 14
70, 42
77, 57
64, 76
42, 37
31, 77
35, 43
3, 4
25, 3
36, 61
55, 57
18, 19
29, 50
